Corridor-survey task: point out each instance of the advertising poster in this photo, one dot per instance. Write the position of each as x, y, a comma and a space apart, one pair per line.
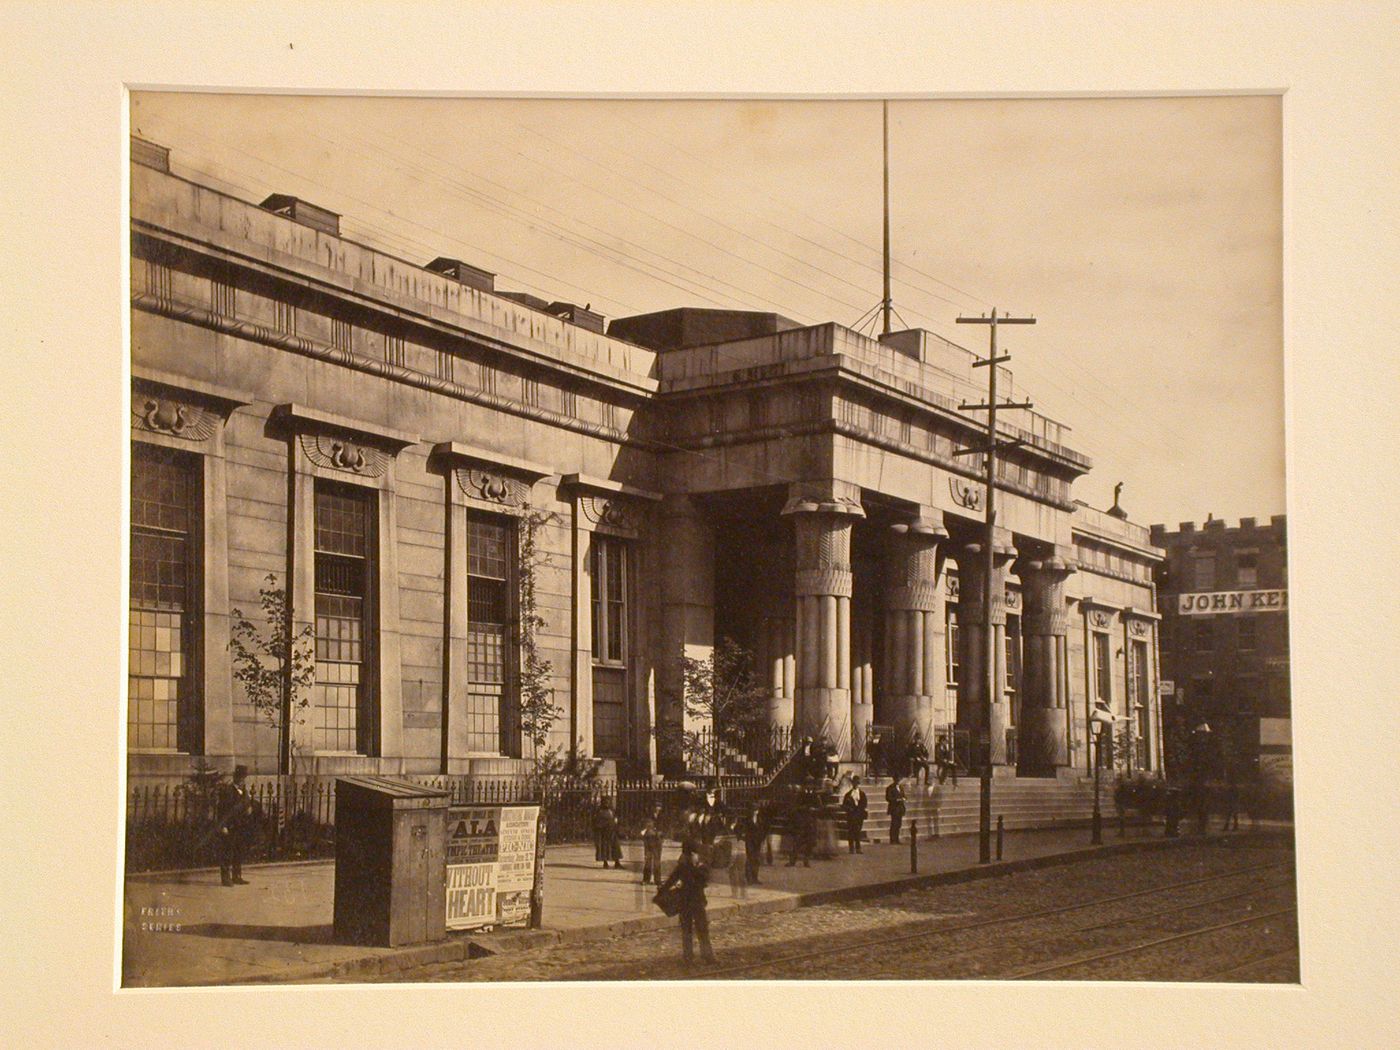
490, 865
515, 875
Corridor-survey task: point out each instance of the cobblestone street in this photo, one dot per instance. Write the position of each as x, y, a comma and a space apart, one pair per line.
1232, 903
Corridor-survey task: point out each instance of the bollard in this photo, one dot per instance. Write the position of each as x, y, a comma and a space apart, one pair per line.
1001, 830
913, 847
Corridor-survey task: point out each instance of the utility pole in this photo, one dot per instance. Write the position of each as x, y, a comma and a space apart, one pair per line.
984, 820
887, 304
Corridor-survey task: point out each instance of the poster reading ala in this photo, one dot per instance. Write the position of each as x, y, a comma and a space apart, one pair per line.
490, 865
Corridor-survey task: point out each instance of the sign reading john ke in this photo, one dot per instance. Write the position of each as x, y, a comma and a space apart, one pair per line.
1210, 603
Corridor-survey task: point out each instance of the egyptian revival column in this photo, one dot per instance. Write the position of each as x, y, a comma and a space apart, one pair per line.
1042, 744
914, 625
972, 679
822, 591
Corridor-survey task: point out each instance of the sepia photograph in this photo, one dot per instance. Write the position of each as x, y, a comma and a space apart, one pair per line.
614, 524
727, 539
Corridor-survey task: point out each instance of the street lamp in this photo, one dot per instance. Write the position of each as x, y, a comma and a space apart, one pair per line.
1099, 720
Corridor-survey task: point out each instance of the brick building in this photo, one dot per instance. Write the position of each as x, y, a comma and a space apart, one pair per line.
377, 435
1224, 600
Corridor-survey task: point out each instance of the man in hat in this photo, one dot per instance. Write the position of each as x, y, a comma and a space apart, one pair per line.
235, 819
856, 807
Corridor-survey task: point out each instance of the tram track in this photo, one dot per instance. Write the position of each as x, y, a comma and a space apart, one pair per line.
882, 943
1133, 949
1291, 955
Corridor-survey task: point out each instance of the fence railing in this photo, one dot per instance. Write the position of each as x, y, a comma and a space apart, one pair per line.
750, 749
175, 825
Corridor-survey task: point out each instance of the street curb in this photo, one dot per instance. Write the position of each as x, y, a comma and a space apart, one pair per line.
463, 947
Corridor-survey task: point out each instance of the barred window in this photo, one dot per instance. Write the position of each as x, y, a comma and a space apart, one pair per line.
491, 588
162, 708
344, 542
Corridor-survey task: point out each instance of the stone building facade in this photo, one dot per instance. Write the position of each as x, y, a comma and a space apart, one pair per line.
379, 437
1224, 595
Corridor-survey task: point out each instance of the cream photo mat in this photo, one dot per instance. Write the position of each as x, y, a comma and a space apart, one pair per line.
65, 115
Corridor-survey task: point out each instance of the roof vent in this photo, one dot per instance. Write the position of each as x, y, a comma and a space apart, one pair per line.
301, 211
464, 273
579, 315
150, 154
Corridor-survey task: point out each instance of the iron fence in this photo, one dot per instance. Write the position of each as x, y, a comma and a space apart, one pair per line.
748, 750
170, 826
956, 742
176, 825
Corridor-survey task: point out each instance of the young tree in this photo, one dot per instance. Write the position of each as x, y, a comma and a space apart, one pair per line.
275, 664
538, 712
725, 699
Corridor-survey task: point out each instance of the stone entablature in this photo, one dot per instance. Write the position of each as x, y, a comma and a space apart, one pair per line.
200, 219
864, 362
1109, 546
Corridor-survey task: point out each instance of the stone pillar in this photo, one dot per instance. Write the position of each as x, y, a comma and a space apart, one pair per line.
822, 591
687, 612
778, 664
1043, 740
914, 625
973, 628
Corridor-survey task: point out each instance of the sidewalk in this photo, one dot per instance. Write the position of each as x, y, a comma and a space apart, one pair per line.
184, 928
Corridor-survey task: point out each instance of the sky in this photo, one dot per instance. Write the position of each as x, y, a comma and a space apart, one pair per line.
1144, 235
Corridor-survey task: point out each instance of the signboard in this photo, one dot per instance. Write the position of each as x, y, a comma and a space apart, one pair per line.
1275, 732
1276, 767
1168, 687
1211, 603
490, 864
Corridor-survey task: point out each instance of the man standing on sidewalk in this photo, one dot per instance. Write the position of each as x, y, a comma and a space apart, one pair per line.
235, 815
894, 800
688, 882
856, 806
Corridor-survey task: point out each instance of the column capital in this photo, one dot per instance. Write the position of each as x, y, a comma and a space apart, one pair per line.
828, 496
924, 525
1001, 552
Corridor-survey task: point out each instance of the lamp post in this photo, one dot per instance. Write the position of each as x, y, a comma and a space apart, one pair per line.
1099, 720
1097, 836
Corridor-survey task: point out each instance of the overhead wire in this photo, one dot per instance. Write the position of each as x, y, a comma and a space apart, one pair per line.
555, 281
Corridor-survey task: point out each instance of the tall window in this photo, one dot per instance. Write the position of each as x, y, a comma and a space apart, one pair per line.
1140, 689
1205, 635
1013, 663
954, 662
609, 572
162, 708
1205, 572
1103, 668
491, 588
1246, 569
345, 570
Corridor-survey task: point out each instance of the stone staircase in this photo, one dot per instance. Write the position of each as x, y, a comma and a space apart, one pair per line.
1021, 802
